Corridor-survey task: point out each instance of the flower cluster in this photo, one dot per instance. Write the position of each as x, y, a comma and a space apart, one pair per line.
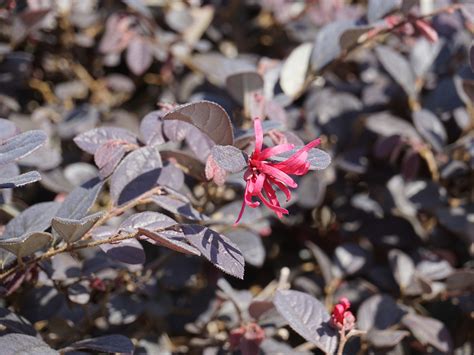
341, 317
263, 176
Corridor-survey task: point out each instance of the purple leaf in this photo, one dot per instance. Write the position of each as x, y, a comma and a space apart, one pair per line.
229, 158
108, 156
107, 343
80, 200
24, 344
149, 220
323, 260
398, 67
199, 143
317, 158
402, 266
308, 317
250, 244
429, 331
91, 140
139, 55
190, 165
136, 174
151, 128
71, 230
19, 180
216, 248
430, 128
176, 206
386, 338
21, 145
241, 84
170, 239
26, 244
7, 130
378, 312
377, 9
327, 46
128, 251
208, 117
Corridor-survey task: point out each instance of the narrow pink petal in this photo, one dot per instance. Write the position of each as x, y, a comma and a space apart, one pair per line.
293, 162
283, 188
249, 192
274, 204
259, 182
278, 174
240, 213
257, 124
280, 211
278, 149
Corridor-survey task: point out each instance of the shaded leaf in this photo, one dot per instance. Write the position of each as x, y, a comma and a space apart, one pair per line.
80, 200
108, 343
378, 312
108, 156
403, 268
323, 260
308, 317
351, 258
430, 128
182, 208
151, 128
429, 331
128, 251
149, 220
27, 243
216, 248
385, 338
243, 84
208, 117
398, 67
250, 244
190, 165
136, 174
170, 239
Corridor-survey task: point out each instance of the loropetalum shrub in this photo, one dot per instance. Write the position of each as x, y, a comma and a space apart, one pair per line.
298, 165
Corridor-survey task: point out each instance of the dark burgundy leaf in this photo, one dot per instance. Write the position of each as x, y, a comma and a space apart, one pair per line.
190, 165
208, 117
177, 206
199, 143
430, 128
410, 164
21, 145
91, 140
136, 174
15, 323
308, 317
351, 258
429, 331
108, 156
128, 251
216, 248
229, 158
462, 279
323, 260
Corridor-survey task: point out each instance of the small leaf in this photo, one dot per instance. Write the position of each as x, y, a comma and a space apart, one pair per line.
128, 251
327, 46
19, 180
229, 158
295, 70
139, 56
91, 140
176, 206
189, 164
430, 128
79, 293
377, 9
21, 145
386, 338
151, 128
216, 248
80, 200
308, 317
71, 230
241, 85
169, 239
24, 344
208, 117
108, 156
136, 174
351, 258
149, 220
378, 312
107, 343
250, 244
27, 243
398, 67
429, 331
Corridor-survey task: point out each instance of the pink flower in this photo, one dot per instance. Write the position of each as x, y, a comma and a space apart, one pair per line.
341, 317
263, 176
